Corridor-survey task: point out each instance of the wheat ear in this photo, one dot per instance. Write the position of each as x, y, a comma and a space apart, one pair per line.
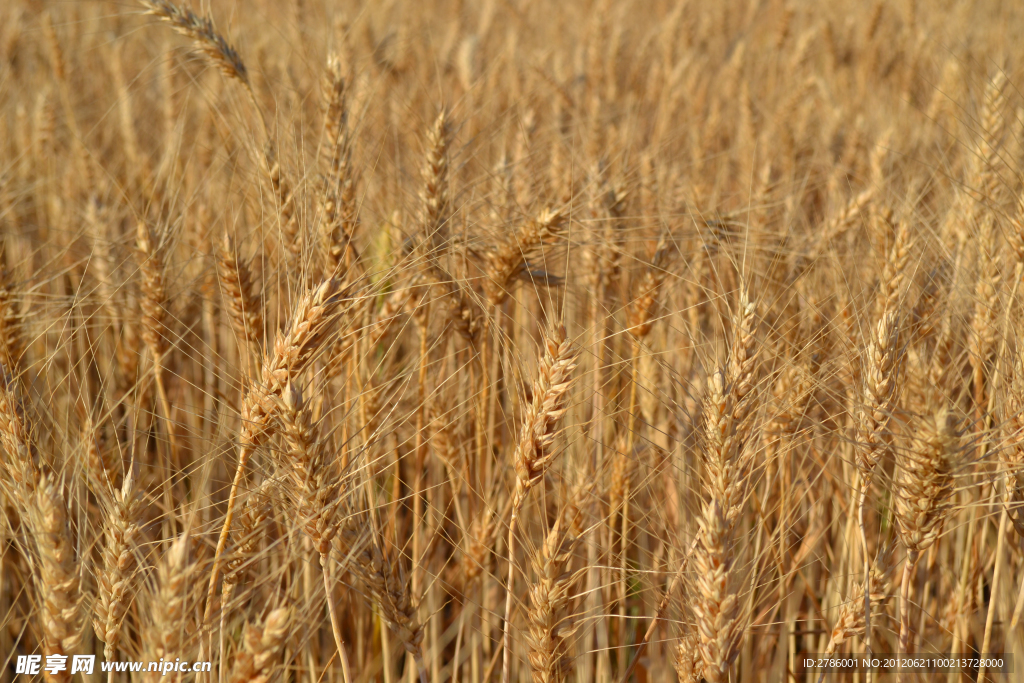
851, 620
167, 635
729, 404
58, 586
201, 30
436, 199
382, 576
1013, 409
551, 601
154, 292
316, 486
721, 622
155, 330
22, 461
641, 309
116, 578
103, 463
984, 322
238, 567
251, 528
895, 270
512, 255
285, 195
241, 298
533, 454
338, 197
688, 664
880, 387
922, 496
261, 648
12, 340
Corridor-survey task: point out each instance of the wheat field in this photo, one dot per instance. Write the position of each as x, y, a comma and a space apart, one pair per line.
596, 341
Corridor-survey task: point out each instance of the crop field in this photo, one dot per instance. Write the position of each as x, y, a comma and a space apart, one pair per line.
596, 341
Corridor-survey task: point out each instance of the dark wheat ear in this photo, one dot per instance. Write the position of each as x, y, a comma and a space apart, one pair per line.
201, 30
512, 255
